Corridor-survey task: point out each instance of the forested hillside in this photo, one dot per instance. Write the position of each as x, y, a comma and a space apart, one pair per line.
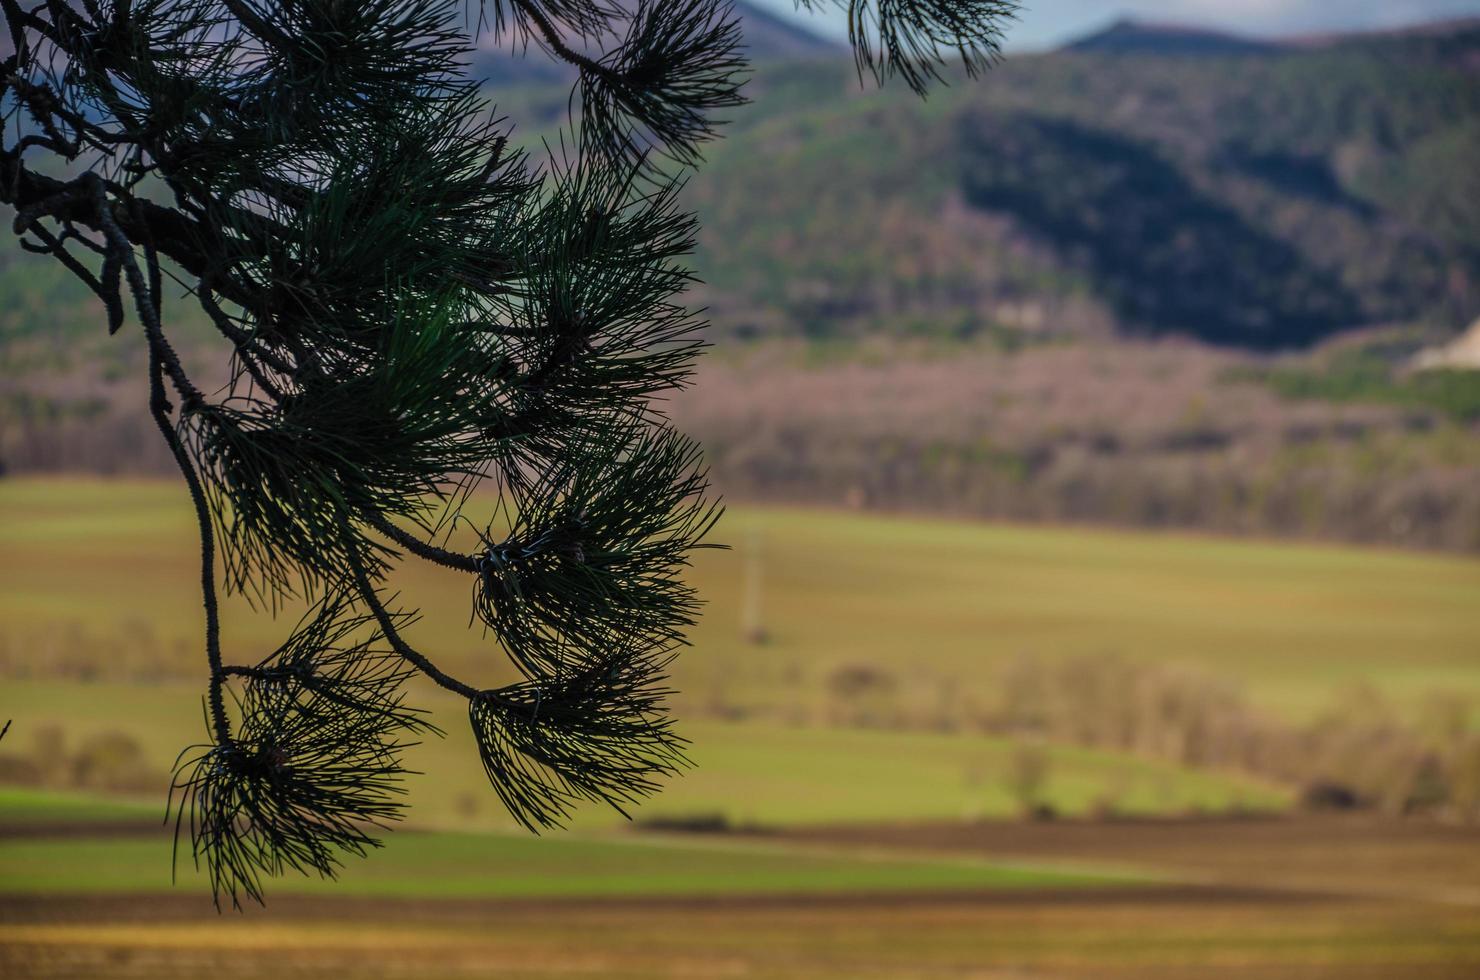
1256, 196
1262, 197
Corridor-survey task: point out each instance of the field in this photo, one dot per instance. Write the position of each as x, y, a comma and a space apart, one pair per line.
936, 603
828, 775
84, 896
97, 598
858, 842
100, 856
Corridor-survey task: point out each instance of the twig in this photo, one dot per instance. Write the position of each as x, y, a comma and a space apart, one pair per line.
413, 544
405, 650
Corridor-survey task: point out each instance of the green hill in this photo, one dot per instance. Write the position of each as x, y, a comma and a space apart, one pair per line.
1257, 195
1261, 197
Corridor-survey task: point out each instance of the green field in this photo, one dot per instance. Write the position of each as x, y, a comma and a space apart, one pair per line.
1195, 899
937, 603
470, 866
750, 773
453, 865
97, 595
845, 880
29, 807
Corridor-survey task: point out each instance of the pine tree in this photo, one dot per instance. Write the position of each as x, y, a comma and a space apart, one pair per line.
413, 310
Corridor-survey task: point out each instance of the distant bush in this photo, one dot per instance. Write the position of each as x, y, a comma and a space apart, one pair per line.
1027, 779
1325, 795
113, 762
1362, 376
1361, 752
110, 761
863, 695
691, 823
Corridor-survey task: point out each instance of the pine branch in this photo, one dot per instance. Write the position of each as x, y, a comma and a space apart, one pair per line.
313, 771
657, 91
410, 654
410, 307
915, 39
422, 549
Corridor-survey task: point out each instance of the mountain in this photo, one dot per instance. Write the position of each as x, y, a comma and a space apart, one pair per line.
1255, 201
1447, 28
1263, 199
769, 37
1257, 198
1131, 36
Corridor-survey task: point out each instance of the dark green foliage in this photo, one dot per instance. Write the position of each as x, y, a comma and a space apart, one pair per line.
413, 312
595, 553
589, 733
679, 63
1366, 376
915, 40
313, 767
595, 330
287, 483
1132, 221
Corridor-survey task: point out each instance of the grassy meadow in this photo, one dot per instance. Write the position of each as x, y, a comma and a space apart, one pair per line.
861, 839
756, 774
1219, 899
97, 595
498, 865
940, 603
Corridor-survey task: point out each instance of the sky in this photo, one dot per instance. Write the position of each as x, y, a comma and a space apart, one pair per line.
1047, 23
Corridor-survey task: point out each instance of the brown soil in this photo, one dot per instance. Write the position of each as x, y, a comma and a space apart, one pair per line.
1305, 899
1359, 855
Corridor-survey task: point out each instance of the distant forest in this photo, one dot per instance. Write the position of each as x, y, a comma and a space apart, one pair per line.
1263, 197
1255, 196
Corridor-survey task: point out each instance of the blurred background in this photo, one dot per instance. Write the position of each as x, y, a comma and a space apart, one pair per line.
1102, 444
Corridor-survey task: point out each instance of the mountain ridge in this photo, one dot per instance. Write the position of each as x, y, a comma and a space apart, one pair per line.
1137, 35
1131, 35
1308, 192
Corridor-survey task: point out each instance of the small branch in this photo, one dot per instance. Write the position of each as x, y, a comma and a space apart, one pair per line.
173, 234
404, 649
246, 349
159, 409
162, 359
258, 25
422, 549
55, 246
239, 337
241, 670
145, 293
556, 43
